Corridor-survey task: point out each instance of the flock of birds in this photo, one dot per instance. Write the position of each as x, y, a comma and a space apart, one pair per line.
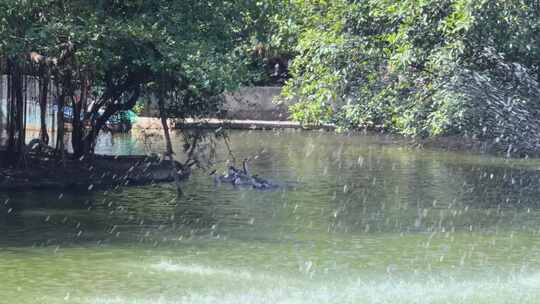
242, 177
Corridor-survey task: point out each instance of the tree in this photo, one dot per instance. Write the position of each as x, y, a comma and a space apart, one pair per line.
401, 66
104, 55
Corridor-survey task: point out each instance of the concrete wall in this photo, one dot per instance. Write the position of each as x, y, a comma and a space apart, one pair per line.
256, 103
248, 103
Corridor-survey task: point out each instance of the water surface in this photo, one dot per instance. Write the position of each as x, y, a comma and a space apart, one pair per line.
365, 220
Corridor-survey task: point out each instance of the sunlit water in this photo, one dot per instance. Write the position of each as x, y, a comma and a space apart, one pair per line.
363, 220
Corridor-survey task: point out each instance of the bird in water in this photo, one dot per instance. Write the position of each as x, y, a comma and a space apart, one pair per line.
261, 183
242, 177
233, 175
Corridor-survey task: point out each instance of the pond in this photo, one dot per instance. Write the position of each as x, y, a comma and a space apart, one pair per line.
365, 219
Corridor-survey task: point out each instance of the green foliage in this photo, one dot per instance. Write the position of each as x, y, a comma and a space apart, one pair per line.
188, 51
267, 42
405, 66
401, 65
193, 41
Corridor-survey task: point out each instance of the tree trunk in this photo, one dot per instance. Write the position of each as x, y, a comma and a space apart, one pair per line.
11, 111
43, 95
168, 144
78, 127
89, 140
98, 121
60, 149
16, 129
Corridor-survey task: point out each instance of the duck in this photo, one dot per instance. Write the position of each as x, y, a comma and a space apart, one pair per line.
226, 177
244, 166
263, 184
257, 181
233, 175
242, 177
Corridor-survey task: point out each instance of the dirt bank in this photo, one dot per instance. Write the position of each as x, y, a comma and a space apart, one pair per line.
39, 172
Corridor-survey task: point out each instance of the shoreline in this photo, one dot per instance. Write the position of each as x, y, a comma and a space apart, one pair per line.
102, 172
450, 143
145, 123
453, 142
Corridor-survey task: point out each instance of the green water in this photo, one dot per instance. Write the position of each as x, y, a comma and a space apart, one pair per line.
364, 220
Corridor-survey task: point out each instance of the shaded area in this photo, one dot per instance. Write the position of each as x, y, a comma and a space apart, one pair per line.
44, 172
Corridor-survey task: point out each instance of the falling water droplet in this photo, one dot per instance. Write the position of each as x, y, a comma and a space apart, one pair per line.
308, 266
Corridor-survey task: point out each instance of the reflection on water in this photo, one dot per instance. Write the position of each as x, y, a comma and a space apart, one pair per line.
368, 221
